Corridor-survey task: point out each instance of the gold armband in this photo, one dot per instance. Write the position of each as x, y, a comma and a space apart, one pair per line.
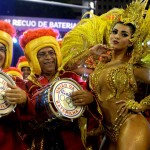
145, 101
132, 104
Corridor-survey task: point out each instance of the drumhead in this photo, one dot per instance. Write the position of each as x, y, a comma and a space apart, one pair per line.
61, 97
5, 108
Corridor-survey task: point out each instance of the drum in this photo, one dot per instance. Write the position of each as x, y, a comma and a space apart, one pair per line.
5, 108
61, 92
55, 102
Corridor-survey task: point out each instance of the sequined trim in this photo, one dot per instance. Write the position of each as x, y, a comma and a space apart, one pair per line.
112, 131
114, 78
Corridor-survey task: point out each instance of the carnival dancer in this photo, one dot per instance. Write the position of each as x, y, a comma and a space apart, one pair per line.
76, 43
23, 65
12, 98
79, 57
116, 82
42, 51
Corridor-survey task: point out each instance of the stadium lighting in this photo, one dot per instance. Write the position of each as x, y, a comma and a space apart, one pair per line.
58, 4
15, 40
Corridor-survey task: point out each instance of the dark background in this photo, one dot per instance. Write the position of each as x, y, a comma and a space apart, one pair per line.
32, 9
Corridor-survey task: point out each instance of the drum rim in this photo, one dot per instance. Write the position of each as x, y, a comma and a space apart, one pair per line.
11, 81
82, 107
8, 77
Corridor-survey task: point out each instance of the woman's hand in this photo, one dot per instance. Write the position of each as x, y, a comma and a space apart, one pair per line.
105, 58
122, 108
99, 49
82, 97
15, 95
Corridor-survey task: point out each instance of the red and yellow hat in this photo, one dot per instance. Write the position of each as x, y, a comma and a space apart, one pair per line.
13, 71
22, 62
7, 32
35, 39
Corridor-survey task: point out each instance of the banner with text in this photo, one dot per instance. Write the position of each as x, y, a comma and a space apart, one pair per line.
23, 23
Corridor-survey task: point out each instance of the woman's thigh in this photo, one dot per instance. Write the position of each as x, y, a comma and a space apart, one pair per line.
134, 134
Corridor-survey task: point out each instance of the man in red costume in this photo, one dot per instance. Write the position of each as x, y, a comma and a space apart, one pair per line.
42, 51
12, 97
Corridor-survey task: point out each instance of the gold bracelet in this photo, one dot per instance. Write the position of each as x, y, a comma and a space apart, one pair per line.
132, 104
145, 101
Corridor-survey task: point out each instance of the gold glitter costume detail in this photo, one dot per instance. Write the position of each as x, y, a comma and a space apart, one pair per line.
114, 78
146, 101
112, 131
119, 80
87, 33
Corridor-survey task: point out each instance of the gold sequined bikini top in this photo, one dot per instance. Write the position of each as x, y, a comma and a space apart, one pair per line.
118, 79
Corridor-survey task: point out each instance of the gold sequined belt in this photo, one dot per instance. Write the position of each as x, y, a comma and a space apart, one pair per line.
112, 131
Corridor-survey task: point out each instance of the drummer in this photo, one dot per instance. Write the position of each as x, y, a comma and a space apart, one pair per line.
42, 51
23, 66
9, 137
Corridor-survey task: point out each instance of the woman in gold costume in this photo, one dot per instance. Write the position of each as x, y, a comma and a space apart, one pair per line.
76, 58
115, 83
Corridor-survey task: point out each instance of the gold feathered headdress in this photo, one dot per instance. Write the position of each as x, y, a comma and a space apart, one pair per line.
142, 31
134, 14
145, 40
87, 33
